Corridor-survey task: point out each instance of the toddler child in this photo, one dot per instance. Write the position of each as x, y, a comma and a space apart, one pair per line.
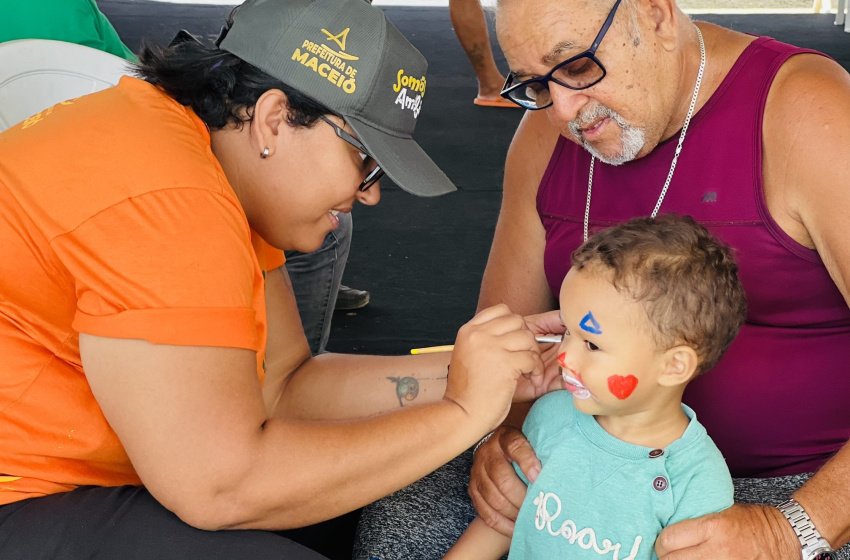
648, 305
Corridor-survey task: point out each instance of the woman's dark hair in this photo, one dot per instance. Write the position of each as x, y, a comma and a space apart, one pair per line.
220, 87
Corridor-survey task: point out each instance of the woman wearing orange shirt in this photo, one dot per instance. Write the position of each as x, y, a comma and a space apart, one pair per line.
155, 385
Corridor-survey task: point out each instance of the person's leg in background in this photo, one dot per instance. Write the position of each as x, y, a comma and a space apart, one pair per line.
316, 279
349, 299
471, 29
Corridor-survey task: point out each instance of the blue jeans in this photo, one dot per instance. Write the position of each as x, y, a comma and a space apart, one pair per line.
315, 281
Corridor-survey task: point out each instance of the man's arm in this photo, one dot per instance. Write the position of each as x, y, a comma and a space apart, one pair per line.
814, 98
514, 274
807, 189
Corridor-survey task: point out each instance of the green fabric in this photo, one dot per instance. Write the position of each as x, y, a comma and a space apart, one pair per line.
73, 21
595, 497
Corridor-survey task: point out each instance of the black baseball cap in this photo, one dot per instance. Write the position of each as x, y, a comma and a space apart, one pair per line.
348, 57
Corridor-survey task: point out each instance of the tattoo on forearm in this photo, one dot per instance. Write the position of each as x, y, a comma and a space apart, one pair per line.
407, 388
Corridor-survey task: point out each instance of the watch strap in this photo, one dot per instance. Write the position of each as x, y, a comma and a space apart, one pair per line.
805, 530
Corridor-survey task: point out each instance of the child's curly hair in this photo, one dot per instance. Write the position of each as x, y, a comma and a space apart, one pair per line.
686, 279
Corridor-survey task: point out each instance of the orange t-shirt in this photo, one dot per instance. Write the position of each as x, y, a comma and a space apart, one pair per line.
115, 220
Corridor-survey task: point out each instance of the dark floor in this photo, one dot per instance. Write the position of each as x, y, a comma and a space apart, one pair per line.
422, 259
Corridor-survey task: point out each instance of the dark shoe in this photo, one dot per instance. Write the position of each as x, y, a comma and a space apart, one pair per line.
349, 299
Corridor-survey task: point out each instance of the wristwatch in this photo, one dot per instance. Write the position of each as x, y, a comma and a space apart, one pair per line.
812, 545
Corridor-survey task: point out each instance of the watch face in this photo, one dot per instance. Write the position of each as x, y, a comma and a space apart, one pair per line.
825, 556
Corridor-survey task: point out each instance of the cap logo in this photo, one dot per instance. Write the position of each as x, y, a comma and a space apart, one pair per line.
406, 99
334, 66
341, 43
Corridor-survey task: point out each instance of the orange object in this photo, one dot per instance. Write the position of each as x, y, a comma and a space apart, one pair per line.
497, 102
117, 221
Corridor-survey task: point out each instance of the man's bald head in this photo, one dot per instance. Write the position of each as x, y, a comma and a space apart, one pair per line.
627, 8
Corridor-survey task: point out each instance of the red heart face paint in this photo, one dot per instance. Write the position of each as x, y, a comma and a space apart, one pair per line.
562, 357
622, 387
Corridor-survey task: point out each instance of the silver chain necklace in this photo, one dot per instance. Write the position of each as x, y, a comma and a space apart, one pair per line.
678, 147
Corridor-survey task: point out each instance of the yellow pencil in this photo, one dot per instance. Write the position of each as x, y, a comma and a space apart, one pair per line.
543, 339
433, 349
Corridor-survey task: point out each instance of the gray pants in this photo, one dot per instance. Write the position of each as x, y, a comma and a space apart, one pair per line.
422, 521
315, 281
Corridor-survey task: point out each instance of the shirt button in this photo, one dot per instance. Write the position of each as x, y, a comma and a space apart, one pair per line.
656, 453
660, 483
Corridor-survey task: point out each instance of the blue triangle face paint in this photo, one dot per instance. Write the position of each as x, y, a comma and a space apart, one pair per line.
590, 324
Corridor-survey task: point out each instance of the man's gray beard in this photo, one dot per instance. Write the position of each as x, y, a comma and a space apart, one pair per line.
633, 138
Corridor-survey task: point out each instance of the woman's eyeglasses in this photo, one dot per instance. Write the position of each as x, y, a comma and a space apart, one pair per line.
375, 174
579, 72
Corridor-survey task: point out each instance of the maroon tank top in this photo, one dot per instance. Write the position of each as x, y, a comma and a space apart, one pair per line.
778, 403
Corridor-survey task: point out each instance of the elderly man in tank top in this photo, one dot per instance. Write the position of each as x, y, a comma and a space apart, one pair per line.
642, 110
634, 110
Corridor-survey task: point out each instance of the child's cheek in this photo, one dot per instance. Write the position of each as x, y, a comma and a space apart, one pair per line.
622, 387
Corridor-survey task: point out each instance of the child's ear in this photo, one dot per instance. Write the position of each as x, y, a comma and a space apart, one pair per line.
680, 364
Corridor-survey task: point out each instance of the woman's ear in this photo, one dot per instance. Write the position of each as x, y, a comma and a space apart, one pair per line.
680, 365
269, 123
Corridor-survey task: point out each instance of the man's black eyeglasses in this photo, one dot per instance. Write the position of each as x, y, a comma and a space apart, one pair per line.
375, 174
579, 72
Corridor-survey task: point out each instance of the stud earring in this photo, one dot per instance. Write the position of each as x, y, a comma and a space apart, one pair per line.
265, 153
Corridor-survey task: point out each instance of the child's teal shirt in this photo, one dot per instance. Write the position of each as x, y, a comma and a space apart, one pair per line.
600, 497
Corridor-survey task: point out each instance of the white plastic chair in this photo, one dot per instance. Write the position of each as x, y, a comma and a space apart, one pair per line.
825, 6
36, 74
840, 17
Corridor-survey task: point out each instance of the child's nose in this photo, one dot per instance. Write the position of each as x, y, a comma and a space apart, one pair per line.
563, 359
567, 357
